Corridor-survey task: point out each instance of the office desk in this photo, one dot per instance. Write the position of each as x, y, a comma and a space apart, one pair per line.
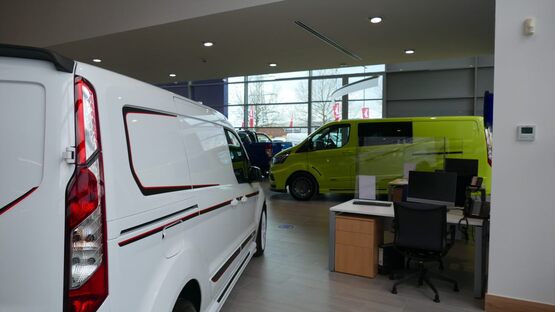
453, 217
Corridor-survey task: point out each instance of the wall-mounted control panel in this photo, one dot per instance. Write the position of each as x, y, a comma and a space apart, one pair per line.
526, 132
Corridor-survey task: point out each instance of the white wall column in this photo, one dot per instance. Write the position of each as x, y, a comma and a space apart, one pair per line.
522, 245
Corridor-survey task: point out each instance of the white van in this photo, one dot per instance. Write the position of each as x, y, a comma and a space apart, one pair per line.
116, 195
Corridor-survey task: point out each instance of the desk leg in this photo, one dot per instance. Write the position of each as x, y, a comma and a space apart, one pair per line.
331, 242
479, 260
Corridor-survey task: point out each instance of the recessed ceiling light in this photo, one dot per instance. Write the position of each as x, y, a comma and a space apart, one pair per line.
208, 43
409, 51
173, 75
272, 64
376, 20
97, 60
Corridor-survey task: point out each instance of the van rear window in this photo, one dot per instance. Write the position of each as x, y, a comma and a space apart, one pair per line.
382, 133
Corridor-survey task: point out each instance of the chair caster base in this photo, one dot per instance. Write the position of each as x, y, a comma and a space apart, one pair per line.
436, 299
394, 291
456, 288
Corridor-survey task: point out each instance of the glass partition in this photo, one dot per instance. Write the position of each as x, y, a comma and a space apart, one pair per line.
391, 158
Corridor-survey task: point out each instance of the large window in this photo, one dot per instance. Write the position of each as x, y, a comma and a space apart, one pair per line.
324, 108
288, 106
366, 103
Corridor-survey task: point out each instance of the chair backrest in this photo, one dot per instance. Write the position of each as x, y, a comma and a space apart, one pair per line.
420, 226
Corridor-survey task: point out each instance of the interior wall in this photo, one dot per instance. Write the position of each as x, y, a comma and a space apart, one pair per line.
438, 88
522, 241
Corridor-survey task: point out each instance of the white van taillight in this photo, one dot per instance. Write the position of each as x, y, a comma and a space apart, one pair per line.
86, 262
86, 118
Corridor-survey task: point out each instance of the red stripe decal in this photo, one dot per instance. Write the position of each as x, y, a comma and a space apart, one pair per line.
17, 201
226, 265
147, 112
203, 185
206, 210
253, 194
249, 238
155, 230
160, 228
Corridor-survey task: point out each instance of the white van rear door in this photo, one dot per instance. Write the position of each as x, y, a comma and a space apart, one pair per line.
22, 139
35, 128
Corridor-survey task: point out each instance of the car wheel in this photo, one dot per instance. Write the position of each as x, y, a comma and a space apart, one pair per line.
261, 235
184, 305
302, 186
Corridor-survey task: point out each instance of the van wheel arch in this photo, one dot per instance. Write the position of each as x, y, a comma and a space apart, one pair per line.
306, 177
189, 294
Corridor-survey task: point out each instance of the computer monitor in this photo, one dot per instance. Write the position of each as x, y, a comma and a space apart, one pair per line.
432, 187
463, 167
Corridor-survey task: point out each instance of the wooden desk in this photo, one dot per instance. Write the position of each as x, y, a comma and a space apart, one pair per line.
357, 241
453, 217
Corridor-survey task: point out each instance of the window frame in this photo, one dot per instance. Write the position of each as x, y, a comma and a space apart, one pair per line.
246, 160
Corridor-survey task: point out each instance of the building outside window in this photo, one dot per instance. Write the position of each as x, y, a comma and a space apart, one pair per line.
289, 106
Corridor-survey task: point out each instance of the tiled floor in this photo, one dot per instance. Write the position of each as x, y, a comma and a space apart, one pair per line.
293, 273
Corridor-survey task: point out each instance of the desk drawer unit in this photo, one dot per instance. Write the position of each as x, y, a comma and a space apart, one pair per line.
357, 238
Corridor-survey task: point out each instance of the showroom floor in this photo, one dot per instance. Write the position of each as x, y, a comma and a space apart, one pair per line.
293, 273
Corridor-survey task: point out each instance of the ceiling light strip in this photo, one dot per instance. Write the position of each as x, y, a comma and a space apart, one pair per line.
328, 40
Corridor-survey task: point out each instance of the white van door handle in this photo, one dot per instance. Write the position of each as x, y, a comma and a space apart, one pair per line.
244, 199
234, 202
169, 226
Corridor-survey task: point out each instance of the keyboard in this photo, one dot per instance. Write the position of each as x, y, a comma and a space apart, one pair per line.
372, 203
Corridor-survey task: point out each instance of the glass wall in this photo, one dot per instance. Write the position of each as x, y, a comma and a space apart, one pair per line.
291, 105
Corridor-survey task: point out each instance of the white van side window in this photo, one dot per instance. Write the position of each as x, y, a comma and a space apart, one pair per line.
157, 157
207, 152
239, 157
383, 133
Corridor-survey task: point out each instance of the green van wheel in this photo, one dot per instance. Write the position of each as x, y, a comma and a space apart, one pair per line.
302, 186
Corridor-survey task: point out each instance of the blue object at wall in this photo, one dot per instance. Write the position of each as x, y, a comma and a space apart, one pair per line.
488, 110
212, 93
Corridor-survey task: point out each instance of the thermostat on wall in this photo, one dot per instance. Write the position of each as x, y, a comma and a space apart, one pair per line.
526, 133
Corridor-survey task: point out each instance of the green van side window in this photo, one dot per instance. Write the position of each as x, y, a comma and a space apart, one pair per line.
383, 133
331, 138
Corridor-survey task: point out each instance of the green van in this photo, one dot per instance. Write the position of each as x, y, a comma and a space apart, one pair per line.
329, 160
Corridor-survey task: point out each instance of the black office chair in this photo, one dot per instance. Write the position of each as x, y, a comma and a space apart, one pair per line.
421, 235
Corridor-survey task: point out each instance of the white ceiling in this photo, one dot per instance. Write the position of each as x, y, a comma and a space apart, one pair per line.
149, 39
